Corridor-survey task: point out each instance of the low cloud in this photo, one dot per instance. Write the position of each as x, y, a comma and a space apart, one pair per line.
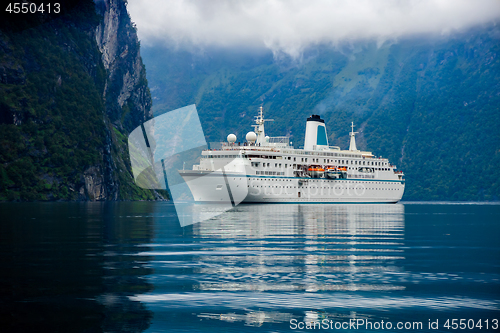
289, 26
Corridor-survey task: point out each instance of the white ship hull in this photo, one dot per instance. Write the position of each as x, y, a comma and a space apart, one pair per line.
218, 187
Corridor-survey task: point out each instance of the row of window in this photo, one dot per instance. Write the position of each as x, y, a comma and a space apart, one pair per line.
270, 173
305, 159
352, 162
302, 152
316, 181
361, 176
322, 187
278, 165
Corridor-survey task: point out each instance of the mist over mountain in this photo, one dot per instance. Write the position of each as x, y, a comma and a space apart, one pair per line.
428, 103
290, 27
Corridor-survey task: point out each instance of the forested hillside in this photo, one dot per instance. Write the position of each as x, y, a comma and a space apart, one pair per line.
431, 105
69, 96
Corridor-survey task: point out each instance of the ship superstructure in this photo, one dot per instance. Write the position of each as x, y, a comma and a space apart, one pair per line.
268, 169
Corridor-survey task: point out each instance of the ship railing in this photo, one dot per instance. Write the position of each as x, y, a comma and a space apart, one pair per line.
285, 140
246, 145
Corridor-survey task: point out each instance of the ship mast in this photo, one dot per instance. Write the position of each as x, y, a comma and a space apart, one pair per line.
352, 146
259, 127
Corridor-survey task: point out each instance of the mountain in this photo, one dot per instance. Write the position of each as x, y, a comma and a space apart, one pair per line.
429, 104
72, 86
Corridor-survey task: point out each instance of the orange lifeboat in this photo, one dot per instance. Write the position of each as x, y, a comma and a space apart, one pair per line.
316, 171
333, 172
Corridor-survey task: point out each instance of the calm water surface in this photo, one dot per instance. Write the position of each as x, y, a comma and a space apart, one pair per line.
130, 267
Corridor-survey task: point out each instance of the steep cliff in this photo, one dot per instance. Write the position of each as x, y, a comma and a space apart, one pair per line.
126, 94
72, 86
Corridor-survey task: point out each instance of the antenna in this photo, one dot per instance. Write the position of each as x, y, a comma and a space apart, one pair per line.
352, 145
259, 126
352, 129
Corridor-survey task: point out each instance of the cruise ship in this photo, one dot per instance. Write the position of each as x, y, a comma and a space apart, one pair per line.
269, 170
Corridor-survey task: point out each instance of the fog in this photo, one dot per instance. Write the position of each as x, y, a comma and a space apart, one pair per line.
289, 26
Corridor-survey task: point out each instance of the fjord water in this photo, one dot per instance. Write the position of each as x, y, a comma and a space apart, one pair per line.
129, 266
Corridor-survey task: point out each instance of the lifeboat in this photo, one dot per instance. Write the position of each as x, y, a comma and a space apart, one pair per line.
316, 171
332, 172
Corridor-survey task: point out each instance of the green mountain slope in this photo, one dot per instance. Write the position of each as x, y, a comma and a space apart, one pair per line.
431, 105
63, 132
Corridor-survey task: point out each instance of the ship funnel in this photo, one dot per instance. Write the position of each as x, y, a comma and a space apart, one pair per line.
316, 137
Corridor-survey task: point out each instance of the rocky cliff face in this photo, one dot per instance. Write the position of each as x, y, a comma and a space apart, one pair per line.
126, 85
126, 94
72, 86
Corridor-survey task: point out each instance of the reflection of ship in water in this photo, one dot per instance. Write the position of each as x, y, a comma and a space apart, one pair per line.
303, 248
304, 220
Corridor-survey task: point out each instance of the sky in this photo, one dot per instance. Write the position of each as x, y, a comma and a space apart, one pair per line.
290, 26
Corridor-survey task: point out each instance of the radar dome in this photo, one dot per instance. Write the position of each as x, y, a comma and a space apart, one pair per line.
231, 138
251, 136
267, 138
